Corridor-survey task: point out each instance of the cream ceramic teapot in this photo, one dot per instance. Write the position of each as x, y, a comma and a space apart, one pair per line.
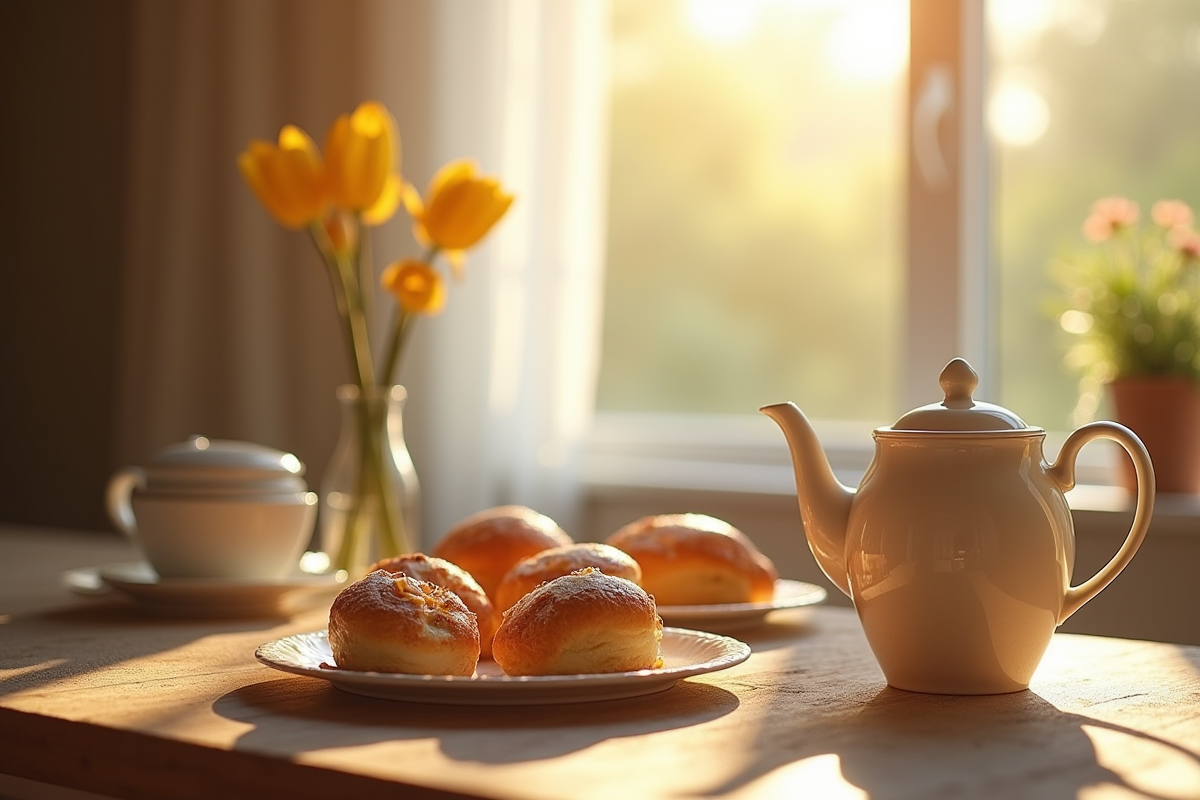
957, 548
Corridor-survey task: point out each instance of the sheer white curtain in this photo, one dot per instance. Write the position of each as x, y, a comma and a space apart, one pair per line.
228, 325
510, 369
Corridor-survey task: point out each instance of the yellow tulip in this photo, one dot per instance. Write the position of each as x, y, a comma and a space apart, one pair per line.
388, 202
361, 157
417, 287
459, 207
287, 178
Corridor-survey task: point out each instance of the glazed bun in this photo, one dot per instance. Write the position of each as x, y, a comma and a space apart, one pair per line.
582, 623
694, 559
489, 543
395, 623
447, 575
529, 573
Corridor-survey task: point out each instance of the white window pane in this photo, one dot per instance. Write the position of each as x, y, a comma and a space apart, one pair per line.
1089, 98
755, 207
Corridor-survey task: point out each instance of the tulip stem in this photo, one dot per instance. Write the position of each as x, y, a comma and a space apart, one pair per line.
371, 411
364, 279
357, 321
337, 279
396, 344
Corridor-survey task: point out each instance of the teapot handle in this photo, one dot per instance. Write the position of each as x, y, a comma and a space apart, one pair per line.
1063, 473
117, 498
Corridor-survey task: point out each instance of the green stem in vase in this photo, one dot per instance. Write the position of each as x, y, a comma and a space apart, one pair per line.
371, 487
375, 510
342, 298
396, 345
391, 522
361, 256
356, 319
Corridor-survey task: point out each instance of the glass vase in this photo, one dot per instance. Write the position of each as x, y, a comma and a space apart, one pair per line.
370, 499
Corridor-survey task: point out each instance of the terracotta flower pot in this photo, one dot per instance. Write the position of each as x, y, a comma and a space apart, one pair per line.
1165, 414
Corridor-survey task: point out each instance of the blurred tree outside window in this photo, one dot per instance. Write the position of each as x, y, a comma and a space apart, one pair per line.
758, 161
755, 225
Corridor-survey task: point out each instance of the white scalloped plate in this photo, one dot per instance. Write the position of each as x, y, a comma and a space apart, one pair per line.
739, 616
685, 653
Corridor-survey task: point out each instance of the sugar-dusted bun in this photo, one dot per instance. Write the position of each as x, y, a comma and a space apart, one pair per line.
529, 573
582, 623
447, 575
489, 543
395, 623
694, 559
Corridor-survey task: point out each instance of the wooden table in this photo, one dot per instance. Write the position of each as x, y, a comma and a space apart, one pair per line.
97, 695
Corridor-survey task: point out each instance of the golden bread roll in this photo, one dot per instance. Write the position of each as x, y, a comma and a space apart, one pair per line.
489, 543
694, 559
583, 623
447, 575
529, 573
396, 623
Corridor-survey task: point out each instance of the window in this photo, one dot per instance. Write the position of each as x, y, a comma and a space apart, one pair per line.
782, 226
755, 211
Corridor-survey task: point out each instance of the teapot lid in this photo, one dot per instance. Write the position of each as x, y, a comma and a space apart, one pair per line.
207, 464
959, 411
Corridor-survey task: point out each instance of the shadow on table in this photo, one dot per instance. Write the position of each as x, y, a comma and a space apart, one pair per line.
900, 744
480, 734
48, 653
780, 629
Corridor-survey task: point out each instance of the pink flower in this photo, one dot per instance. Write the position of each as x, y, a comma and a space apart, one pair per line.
1172, 214
1109, 215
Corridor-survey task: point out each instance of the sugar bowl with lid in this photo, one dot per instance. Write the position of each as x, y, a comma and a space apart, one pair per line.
215, 509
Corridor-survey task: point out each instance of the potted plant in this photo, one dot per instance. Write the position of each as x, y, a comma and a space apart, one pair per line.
1131, 303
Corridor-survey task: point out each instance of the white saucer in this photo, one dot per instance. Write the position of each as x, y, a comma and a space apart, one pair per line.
739, 616
685, 653
203, 597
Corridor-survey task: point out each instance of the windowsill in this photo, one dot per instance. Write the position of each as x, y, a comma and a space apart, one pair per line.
739, 469
746, 456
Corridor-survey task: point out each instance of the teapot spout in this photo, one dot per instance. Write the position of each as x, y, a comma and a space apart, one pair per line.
824, 501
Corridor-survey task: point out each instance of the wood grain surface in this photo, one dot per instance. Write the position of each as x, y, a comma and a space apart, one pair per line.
97, 694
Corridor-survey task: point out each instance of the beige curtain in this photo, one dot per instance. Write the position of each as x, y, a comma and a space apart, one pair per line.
228, 322
229, 327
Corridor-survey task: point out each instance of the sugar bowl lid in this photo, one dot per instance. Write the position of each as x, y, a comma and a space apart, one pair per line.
204, 465
959, 411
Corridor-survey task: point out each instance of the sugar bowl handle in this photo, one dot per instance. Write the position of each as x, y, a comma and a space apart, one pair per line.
118, 495
1063, 473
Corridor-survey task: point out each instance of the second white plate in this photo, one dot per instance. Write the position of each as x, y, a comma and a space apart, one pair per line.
685, 653
739, 616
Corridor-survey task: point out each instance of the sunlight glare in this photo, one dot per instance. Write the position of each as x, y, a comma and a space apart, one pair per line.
1083, 22
1017, 21
1018, 114
870, 41
815, 776
721, 21
1074, 321
1163, 771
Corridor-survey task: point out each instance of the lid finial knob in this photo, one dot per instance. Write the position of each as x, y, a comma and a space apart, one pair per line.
958, 381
